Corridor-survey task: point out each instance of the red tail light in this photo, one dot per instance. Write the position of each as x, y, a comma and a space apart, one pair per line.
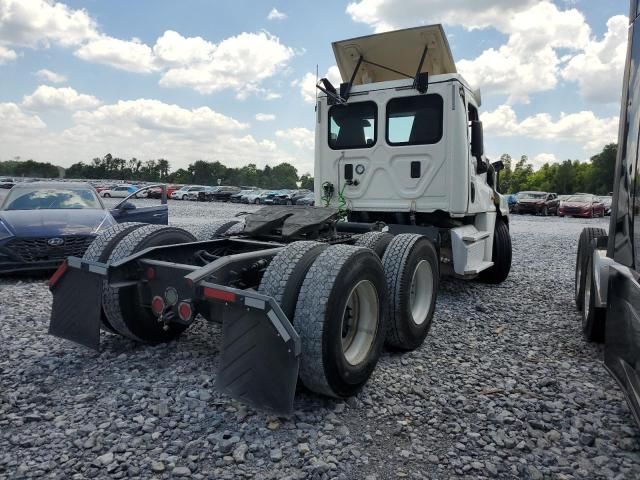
157, 305
219, 294
184, 311
150, 273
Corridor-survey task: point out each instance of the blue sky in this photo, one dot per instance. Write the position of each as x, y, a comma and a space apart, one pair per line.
185, 80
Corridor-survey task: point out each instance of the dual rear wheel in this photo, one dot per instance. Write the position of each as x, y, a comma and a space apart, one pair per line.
346, 303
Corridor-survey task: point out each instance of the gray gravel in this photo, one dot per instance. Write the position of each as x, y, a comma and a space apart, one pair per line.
503, 387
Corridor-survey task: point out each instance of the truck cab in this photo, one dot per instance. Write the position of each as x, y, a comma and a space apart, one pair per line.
401, 143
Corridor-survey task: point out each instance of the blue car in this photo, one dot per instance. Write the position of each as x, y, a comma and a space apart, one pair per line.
43, 223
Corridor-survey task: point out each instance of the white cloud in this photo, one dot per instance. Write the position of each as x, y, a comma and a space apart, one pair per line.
301, 137
274, 14
132, 56
528, 62
50, 76
240, 62
385, 15
265, 117
140, 128
32, 23
307, 83
66, 98
540, 159
599, 68
583, 128
15, 124
174, 49
7, 55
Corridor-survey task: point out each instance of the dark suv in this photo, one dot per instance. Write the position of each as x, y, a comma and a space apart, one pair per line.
542, 203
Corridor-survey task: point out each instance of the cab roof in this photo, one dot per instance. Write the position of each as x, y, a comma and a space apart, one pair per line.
394, 55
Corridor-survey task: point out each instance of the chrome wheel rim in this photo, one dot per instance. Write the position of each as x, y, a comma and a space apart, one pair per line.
421, 292
359, 323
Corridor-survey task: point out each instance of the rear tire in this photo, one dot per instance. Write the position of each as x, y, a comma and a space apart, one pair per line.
284, 276
122, 305
593, 318
411, 269
585, 250
501, 255
376, 241
99, 251
106, 195
215, 229
340, 317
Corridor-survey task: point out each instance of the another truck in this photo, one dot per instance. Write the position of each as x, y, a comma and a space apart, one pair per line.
404, 194
607, 275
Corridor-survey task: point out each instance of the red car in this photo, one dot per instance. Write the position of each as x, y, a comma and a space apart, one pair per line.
582, 205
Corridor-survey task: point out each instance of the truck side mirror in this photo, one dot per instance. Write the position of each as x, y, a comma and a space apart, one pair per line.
477, 140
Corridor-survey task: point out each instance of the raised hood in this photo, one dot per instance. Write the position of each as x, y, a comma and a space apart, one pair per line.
399, 50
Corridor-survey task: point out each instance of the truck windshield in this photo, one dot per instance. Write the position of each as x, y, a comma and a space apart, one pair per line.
353, 125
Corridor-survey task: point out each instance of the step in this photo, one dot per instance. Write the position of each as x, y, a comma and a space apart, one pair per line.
477, 268
475, 237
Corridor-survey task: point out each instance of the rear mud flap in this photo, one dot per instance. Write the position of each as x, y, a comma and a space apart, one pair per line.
260, 354
75, 313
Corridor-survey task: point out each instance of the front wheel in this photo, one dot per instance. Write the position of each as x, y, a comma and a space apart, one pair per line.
501, 255
340, 317
257, 201
106, 195
545, 211
184, 197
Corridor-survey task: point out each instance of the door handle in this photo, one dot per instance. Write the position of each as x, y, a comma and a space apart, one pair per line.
158, 214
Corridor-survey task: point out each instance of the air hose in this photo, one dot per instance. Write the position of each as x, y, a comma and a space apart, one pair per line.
328, 191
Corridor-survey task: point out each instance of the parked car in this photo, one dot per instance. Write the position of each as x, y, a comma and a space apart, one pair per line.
204, 195
606, 201
122, 191
538, 203
253, 197
237, 197
223, 193
582, 205
183, 193
267, 197
194, 192
7, 182
308, 199
303, 192
43, 223
284, 197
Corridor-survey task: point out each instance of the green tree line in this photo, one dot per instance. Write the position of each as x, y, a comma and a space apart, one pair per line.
569, 176
283, 175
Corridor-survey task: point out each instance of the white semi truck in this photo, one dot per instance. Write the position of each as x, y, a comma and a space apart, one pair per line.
404, 195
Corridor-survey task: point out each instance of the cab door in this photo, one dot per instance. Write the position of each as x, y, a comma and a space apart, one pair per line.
622, 331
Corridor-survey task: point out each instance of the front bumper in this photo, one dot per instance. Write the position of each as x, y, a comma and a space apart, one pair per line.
574, 213
528, 208
33, 254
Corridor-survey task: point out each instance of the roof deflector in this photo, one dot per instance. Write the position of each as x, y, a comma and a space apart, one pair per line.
399, 53
392, 56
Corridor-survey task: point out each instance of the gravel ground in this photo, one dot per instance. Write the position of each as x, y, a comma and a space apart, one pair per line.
504, 386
